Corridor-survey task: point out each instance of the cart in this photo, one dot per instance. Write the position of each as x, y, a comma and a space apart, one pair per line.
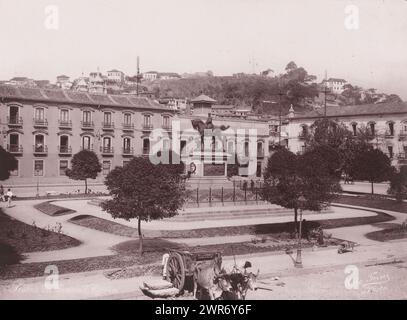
181, 265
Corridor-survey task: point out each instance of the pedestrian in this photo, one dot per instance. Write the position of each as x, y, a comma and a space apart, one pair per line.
9, 197
2, 193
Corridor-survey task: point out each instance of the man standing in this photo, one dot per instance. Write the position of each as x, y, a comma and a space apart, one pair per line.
9, 195
2, 193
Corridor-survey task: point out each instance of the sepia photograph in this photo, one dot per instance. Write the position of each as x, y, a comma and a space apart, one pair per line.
173, 151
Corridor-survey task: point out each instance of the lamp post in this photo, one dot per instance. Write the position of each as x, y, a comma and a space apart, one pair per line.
298, 260
38, 183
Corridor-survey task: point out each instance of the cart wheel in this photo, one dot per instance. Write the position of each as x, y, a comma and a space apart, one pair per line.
176, 271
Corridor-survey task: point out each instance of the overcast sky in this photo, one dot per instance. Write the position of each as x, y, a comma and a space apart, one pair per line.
227, 37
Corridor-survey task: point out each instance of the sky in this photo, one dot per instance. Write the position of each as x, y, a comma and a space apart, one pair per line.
227, 36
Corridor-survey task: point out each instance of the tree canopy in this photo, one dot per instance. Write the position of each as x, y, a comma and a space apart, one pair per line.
398, 183
85, 165
144, 191
288, 176
8, 163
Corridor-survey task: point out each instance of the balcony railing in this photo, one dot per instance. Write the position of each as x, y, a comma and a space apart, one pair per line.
146, 151
106, 150
167, 126
390, 155
108, 125
40, 149
260, 154
389, 134
127, 151
403, 133
87, 124
37, 122
13, 148
402, 156
128, 126
147, 126
65, 149
90, 148
15, 121
65, 123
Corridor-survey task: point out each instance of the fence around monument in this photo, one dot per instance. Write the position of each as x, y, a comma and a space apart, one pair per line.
212, 197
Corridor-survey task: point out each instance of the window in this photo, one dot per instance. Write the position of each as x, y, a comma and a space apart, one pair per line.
146, 146
166, 122
14, 115
127, 119
14, 142
107, 143
39, 114
147, 121
183, 147
259, 148
127, 145
231, 147
39, 143
106, 167
246, 148
391, 129
63, 143
64, 115
14, 173
107, 118
38, 168
63, 165
87, 117
86, 144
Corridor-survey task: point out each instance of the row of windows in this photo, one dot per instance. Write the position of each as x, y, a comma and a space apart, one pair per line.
39, 168
64, 116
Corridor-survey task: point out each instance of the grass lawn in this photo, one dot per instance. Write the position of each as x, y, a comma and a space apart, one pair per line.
17, 237
375, 202
261, 229
52, 209
392, 231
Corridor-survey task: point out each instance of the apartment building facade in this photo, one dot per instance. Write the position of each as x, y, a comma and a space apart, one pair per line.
45, 128
385, 122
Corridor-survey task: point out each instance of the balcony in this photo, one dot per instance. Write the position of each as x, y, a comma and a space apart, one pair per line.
87, 125
128, 152
128, 126
40, 123
389, 134
65, 124
64, 150
260, 154
15, 149
147, 126
15, 121
40, 150
108, 125
167, 127
390, 155
106, 151
402, 157
89, 148
146, 151
403, 134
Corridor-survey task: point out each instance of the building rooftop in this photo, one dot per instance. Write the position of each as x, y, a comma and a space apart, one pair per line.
334, 79
364, 109
203, 98
223, 106
75, 97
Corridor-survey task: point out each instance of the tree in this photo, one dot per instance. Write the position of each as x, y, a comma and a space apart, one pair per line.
8, 163
371, 165
85, 165
398, 183
288, 176
144, 191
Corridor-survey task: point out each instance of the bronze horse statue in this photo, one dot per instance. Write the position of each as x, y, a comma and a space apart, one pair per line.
201, 126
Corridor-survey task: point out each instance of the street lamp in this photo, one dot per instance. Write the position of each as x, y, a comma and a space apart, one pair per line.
38, 183
298, 260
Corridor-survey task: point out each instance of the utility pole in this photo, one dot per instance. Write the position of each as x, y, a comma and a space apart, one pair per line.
138, 75
325, 93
